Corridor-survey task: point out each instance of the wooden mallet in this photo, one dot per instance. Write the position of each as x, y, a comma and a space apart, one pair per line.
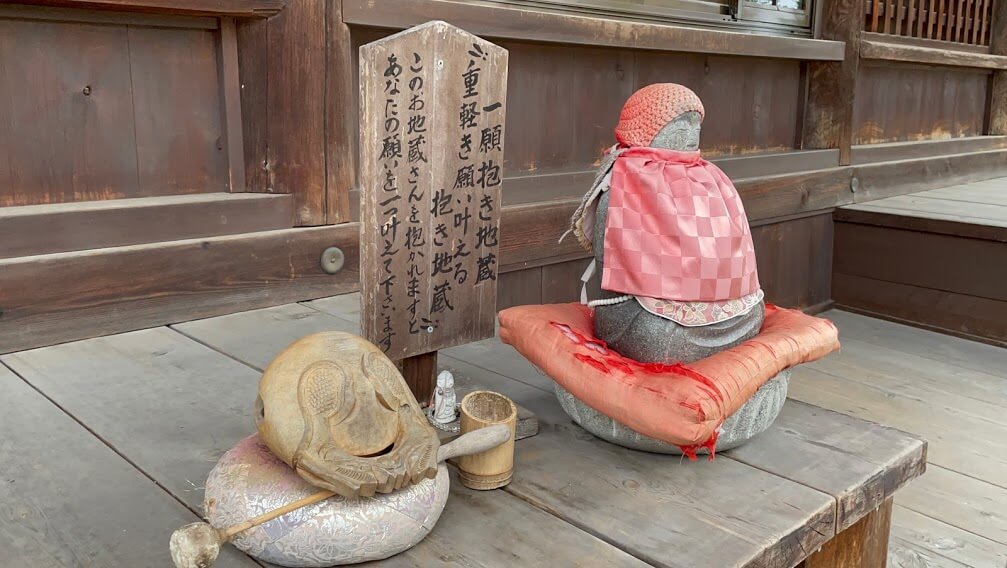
197, 545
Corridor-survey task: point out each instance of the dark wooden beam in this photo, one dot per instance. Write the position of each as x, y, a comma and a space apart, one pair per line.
922, 42
917, 149
64, 297
55, 14
65, 227
572, 184
531, 230
778, 196
876, 181
828, 117
886, 51
530, 235
234, 8
496, 21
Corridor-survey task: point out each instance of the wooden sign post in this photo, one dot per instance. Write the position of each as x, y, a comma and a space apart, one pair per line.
432, 110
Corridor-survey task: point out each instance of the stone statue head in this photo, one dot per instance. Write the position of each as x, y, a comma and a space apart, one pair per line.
335, 408
662, 115
446, 380
681, 134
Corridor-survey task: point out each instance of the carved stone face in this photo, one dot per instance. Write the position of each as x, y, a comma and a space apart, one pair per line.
680, 134
446, 380
338, 411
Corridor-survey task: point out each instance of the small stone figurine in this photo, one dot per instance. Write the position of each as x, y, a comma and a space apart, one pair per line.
444, 405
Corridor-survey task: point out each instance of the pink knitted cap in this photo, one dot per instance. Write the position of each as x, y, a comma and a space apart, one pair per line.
650, 109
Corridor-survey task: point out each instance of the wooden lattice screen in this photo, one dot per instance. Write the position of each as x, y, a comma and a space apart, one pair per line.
960, 21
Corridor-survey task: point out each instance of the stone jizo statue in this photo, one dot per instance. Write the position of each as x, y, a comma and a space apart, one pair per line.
672, 245
445, 402
703, 311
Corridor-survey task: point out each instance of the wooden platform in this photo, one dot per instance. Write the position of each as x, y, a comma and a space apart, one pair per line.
936, 258
112, 439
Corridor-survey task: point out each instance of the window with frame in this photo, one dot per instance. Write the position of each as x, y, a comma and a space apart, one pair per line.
789, 17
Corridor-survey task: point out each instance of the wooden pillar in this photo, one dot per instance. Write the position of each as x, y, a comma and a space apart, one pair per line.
341, 119
828, 119
997, 112
283, 103
863, 545
420, 373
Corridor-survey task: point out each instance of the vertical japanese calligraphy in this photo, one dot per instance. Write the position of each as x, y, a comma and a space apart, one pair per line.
432, 136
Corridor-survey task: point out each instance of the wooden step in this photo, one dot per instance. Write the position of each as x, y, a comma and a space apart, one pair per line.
914, 149
65, 227
936, 259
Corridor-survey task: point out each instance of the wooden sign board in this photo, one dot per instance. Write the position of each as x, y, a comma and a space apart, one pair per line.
432, 110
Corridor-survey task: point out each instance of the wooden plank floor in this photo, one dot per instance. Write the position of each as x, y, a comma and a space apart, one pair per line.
953, 393
105, 401
978, 203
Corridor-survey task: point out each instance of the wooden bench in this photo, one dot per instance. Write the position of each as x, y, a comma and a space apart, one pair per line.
816, 488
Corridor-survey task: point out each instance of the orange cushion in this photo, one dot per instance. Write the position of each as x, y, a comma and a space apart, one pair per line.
681, 404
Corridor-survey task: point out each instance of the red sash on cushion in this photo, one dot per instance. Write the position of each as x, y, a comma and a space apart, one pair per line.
676, 230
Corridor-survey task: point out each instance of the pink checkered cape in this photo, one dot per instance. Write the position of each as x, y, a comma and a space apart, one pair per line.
676, 230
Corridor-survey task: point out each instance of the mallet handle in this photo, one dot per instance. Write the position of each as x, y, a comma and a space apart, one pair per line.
227, 533
475, 442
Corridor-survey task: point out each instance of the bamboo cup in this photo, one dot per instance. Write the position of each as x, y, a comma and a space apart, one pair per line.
494, 468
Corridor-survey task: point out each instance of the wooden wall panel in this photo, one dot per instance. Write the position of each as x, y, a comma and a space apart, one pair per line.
566, 99
519, 288
795, 261
609, 75
751, 104
896, 102
60, 143
93, 112
541, 108
176, 96
561, 281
